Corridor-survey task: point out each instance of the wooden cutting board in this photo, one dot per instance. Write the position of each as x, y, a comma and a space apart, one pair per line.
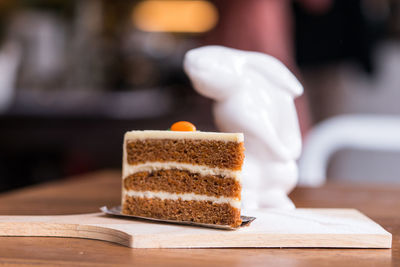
339, 228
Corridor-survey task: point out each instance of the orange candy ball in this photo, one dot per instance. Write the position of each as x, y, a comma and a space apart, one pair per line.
183, 126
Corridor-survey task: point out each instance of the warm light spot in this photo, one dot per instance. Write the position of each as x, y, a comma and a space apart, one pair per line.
175, 16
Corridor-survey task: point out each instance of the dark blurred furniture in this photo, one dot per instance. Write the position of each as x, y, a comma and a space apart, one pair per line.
347, 31
43, 145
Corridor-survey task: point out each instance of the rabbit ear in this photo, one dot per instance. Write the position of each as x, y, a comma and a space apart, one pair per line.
274, 71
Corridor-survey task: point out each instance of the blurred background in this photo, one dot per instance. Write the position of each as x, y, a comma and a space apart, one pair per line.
75, 75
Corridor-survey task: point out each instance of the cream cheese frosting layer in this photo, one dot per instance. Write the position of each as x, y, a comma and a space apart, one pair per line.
185, 197
142, 135
200, 169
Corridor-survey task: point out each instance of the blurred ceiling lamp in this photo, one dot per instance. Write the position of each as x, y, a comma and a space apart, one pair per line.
175, 16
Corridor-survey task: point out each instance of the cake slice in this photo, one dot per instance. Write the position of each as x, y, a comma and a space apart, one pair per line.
183, 176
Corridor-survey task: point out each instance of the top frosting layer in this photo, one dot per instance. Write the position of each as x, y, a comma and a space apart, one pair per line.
142, 135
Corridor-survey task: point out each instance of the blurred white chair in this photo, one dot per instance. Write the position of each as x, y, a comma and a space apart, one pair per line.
373, 132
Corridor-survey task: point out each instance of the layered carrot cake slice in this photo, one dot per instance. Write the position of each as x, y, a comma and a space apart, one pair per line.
183, 175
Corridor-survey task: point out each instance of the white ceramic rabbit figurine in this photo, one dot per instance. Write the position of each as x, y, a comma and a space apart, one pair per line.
253, 94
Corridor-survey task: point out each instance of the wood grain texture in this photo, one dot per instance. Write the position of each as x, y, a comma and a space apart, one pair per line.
340, 228
86, 193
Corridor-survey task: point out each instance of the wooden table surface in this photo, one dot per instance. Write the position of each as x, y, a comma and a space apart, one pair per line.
87, 193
